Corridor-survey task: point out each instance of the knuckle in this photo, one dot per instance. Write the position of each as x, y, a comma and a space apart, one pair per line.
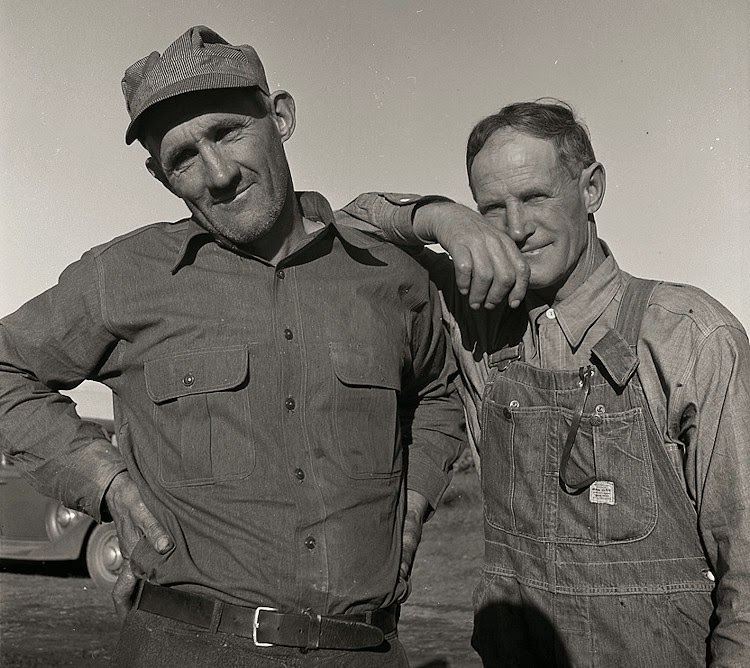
484, 274
463, 265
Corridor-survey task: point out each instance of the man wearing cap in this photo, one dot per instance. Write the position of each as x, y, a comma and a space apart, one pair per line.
279, 384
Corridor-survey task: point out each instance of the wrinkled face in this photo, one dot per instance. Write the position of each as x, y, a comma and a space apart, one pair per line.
221, 151
520, 188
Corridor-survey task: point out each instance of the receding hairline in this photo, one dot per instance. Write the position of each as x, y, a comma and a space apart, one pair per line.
548, 119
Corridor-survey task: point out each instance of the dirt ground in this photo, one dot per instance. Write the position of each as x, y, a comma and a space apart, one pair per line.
52, 615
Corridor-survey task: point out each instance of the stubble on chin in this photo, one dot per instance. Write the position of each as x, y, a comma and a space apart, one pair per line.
238, 229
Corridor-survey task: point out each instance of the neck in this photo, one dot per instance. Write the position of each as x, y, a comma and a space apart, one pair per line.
587, 264
285, 234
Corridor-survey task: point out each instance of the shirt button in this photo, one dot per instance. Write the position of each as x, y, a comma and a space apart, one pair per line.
507, 413
280, 273
290, 403
188, 380
288, 334
596, 420
550, 313
310, 543
300, 474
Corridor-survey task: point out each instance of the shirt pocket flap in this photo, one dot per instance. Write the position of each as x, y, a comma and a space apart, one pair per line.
364, 365
196, 372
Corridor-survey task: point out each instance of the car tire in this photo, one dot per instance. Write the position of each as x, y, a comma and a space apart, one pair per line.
103, 557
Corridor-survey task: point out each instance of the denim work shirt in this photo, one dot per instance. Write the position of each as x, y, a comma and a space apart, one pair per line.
694, 366
270, 415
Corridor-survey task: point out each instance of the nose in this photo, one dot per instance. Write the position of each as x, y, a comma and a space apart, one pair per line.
517, 223
222, 173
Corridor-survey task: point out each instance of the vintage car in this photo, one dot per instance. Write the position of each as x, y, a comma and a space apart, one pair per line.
34, 527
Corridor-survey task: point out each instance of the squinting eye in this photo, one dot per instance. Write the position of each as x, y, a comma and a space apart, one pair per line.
495, 210
226, 133
181, 160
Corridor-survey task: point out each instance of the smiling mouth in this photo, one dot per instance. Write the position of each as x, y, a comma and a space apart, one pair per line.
533, 251
233, 197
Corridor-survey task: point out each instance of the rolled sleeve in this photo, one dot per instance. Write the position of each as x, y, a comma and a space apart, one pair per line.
389, 216
54, 342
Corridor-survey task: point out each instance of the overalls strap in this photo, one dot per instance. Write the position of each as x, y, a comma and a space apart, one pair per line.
634, 302
616, 350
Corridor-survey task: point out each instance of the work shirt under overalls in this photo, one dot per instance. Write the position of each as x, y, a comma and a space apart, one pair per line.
694, 370
592, 553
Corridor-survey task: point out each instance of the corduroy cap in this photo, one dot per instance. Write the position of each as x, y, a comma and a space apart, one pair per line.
199, 60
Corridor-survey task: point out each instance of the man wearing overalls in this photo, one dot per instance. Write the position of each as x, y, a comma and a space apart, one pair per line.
611, 415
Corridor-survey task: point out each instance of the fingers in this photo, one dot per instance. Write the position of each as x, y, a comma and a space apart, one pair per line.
488, 265
490, 273
476, 272
153, 530
132, 518
412, 536
124, 590
510, 273
523, 273
463, 265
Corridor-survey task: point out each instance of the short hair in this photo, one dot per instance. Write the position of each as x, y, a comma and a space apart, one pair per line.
545, 118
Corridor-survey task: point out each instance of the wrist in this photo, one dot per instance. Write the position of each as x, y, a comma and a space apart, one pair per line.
430, 218
417, 506
432, 221
110, 498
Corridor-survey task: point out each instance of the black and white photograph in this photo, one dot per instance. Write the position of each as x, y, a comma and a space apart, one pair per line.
375, 334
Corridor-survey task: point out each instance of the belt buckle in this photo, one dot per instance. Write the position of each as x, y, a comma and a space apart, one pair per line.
255, 626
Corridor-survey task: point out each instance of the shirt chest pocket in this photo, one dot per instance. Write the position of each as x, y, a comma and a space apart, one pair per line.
202, 416
365, 410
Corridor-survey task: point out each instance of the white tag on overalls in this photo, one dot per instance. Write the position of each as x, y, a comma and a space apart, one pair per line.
602, 491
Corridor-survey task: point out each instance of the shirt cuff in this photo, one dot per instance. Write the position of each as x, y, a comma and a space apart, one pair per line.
88, 481
391, 215
402, 218
428, 479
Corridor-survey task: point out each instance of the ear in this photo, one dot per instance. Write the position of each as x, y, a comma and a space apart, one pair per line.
154, 168
592, 184
283, 112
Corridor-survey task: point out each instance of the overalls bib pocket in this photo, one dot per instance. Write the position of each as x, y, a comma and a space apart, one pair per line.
521, 452
202, 416
621, 505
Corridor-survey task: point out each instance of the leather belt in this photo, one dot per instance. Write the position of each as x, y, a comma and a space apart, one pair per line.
267, 626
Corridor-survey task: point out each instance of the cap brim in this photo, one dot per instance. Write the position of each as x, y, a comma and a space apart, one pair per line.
199, 82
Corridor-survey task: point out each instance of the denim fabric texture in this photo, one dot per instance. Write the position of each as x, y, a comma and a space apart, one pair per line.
636, 540
694, 373
271, 416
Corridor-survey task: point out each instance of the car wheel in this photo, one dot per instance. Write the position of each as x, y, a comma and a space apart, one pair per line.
103, 557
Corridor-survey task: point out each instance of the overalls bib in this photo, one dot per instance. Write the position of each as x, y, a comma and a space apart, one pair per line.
608, 569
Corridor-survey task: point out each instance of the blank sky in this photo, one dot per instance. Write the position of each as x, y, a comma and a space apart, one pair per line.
386, 94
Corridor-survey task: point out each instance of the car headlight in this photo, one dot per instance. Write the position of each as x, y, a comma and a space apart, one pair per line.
60, 519
65, 516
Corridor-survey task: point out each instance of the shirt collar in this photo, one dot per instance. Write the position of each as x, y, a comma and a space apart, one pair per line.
193, 231
314, 207
582, 309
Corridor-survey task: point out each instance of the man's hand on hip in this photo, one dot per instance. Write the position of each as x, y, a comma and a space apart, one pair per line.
416, 511
489, 266
132, 519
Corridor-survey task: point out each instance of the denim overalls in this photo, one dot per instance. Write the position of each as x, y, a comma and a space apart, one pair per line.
592, 554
